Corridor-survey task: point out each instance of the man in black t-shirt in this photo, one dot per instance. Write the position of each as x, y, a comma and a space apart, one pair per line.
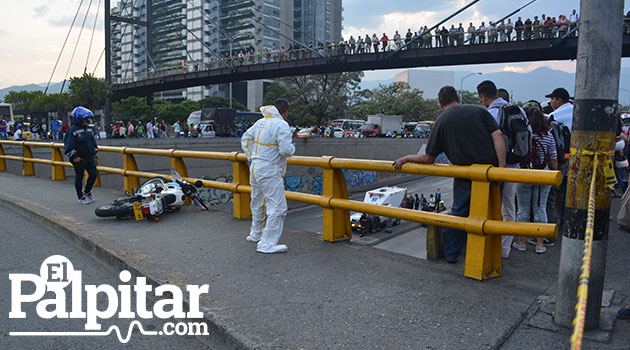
467, 134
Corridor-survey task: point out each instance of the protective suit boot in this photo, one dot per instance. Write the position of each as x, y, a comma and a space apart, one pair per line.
253, 238
278, 248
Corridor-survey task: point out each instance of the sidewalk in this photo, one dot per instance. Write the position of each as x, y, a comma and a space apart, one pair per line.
321, 295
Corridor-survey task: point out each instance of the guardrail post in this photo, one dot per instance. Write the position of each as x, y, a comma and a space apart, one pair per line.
58, 171
3, 162
177, 164
97, 182
28, 168
336, 225
129, 163
483, 252
242, 201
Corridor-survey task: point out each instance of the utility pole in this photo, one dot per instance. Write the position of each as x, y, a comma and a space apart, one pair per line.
594, 130
108, 61
232, 69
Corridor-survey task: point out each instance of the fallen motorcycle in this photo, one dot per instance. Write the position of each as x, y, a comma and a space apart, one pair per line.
153, 198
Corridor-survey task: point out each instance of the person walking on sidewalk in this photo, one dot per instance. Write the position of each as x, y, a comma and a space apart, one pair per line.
81, 149
268, 144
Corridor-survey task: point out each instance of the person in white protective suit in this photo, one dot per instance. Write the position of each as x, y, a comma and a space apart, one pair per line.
267, 145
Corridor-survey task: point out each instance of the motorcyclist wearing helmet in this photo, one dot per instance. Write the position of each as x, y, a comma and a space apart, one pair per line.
81, 149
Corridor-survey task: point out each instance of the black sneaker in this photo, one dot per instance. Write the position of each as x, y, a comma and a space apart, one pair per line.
549, 242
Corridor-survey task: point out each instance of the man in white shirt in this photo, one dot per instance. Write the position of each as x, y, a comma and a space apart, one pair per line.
488, 95
562, 109
573, 18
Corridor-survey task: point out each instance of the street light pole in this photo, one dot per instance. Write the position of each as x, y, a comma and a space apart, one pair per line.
232, 67
461, 85
627, 92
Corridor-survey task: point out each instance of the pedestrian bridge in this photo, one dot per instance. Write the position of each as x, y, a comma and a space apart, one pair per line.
205, 74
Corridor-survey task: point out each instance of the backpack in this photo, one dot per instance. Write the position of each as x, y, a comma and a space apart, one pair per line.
562, 135
518, 138
533, 161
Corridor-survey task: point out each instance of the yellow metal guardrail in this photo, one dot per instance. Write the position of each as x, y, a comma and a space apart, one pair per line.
484, 224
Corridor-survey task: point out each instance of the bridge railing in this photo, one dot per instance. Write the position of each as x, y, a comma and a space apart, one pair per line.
483, 225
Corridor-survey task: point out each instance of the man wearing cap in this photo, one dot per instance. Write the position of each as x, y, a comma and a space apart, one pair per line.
562, 109
562, 112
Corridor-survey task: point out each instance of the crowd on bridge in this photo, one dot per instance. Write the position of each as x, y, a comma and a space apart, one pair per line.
530, 28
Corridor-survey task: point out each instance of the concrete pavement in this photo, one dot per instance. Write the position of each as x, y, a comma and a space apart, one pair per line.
321, 295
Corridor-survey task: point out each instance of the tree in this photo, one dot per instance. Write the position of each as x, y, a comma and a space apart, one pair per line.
469, 97
132, 109
89, 91
22, 100
317, 97
171, 113
394, 99
220, 102
59, 103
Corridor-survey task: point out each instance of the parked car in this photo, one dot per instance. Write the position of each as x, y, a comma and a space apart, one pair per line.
305, 133
207, 130
337, 133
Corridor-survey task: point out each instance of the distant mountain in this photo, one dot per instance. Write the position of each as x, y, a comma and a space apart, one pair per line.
522, 86
53, 88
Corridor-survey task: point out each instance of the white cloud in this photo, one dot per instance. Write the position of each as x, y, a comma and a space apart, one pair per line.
41, 11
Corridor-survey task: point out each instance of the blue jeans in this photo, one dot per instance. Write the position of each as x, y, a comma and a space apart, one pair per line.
456, 239
532, 198
4, 135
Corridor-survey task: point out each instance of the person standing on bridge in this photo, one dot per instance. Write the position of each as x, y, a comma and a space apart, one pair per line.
467, 134
80, 147
489, 96
268, 144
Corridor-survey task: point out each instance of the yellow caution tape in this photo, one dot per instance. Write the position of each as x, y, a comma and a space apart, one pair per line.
585, 269
609, 168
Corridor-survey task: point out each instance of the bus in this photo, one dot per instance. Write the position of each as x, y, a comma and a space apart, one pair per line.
6, 111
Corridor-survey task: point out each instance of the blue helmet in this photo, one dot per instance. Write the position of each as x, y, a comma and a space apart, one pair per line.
80, 113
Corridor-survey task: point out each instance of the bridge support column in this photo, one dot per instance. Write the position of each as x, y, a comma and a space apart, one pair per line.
336, 225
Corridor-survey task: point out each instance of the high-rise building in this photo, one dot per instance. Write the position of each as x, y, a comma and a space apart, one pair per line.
187, 31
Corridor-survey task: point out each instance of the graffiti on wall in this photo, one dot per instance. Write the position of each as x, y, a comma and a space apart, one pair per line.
215, 196
315, 183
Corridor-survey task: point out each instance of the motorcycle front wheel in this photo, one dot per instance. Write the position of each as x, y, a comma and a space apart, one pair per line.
117, 210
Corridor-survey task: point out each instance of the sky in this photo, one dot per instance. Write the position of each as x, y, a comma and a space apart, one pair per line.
33, 32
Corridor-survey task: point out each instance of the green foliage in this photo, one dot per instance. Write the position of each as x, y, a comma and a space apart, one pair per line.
315, 98
37, 104
469, 97
394, 99
43, 104
22, 100
89, 91
220, 102
132, 109
171, 113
